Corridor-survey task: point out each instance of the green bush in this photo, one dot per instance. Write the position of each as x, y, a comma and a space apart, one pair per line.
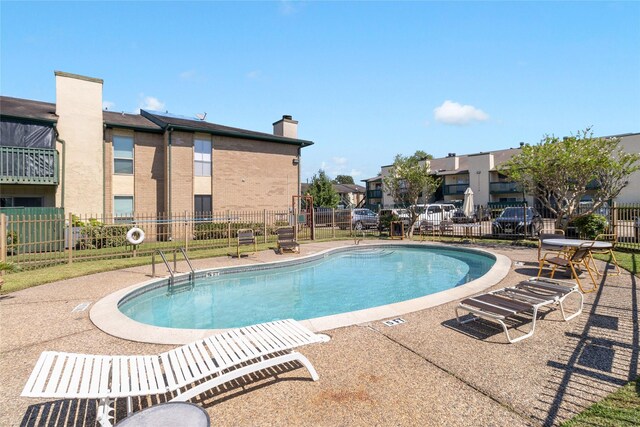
385, 220
96, 235
220, 230
589, 226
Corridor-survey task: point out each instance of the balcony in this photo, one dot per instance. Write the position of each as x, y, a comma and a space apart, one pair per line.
22, 165
374, 194
452, 189
504, 187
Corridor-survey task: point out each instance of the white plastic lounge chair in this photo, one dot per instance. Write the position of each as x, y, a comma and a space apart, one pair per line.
524, 298
216, 360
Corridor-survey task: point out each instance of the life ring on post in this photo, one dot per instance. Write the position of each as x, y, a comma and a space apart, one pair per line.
132, 232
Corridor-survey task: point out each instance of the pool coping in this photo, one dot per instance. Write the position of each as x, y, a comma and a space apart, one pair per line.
106, 316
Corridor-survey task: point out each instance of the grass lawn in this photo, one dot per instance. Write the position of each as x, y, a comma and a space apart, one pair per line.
621, 408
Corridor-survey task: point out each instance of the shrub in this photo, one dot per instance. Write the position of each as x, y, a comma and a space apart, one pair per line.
589, 226
385, 220
96, 235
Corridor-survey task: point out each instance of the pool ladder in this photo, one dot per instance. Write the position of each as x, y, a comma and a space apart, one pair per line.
172, 272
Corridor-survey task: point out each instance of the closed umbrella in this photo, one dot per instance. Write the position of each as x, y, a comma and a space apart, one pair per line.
467, 206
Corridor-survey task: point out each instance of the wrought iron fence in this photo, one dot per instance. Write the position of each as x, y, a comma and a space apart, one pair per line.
33, 240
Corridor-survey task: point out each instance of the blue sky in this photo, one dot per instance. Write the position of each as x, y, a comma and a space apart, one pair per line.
366, 80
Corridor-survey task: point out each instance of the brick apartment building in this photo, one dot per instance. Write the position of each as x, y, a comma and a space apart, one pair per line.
73, 154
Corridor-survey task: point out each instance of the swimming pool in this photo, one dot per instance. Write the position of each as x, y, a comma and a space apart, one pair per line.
339, 282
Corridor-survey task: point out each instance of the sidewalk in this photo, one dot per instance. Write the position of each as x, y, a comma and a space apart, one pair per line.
426, 372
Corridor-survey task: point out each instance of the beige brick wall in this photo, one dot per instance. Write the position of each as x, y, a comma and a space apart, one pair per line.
149, 173
253, 174
108, 168
182, 172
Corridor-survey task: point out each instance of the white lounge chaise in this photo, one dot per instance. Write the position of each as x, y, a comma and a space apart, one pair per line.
527, 297
215, 360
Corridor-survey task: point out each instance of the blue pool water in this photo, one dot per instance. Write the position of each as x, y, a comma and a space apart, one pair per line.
336, 283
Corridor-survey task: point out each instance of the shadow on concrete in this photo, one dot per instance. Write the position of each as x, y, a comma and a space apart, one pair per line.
83, 412
603, 356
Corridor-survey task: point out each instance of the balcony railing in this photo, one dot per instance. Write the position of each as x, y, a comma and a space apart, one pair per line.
455, 189
22, 165
504, 187
374, 194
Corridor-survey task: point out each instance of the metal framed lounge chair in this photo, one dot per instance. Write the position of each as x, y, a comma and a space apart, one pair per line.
287, 240
186, 371
246, 238
527, 297
570, 260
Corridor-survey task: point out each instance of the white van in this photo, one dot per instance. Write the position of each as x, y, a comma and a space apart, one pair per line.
432, 214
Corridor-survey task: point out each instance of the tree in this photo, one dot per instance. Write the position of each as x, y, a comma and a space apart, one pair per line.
408, 179
343, 179
559, 172
322, 191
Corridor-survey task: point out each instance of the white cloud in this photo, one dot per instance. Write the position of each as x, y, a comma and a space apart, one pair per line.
287, 7
187, 75
254, 75
151, 103
108, 105
453, 113
339, 166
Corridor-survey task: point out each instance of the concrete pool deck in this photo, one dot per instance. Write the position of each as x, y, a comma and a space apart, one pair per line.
428, 371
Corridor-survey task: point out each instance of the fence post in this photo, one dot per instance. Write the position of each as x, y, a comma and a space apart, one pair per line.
3, 237
614, 217
228, 228
186, 232
70, 237
264, 224
333, 223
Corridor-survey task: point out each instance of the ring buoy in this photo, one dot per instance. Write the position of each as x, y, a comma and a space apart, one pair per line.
131, 239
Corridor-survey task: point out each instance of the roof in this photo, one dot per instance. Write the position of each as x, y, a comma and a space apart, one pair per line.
18, 108
131, 121
26, 109
348, 188
184, 123
340, 188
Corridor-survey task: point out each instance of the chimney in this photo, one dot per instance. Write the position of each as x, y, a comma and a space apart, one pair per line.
286, 127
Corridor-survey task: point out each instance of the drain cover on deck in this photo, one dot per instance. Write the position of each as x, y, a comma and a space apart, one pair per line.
81, 307
393, 322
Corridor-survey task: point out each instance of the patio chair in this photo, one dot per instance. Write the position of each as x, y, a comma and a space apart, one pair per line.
570, 260
246, 238
185, 372
526, 297
557, 234
499, 307
287, 240
613, 239
446, 227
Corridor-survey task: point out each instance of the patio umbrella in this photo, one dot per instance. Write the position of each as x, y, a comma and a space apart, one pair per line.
467, 206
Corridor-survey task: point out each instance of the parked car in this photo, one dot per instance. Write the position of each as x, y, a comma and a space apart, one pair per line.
359, 218
514, 221
431, 215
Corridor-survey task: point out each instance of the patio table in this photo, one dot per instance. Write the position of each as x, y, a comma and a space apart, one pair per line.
573, 244
168, 414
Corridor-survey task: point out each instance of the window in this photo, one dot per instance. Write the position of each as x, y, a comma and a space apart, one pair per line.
202, 157
123, 206
202, 203
123, 155
20, 202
